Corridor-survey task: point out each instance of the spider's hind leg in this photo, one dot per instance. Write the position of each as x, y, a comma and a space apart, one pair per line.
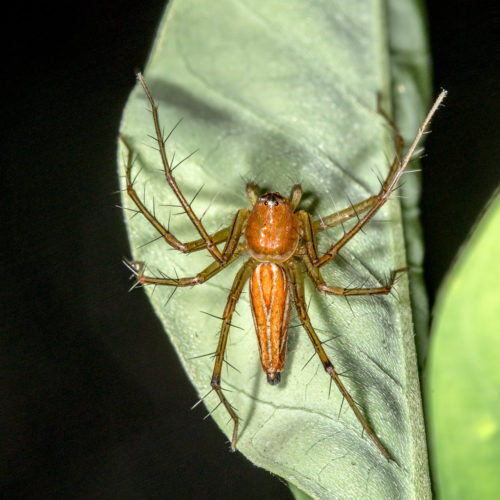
239, 281
297, 283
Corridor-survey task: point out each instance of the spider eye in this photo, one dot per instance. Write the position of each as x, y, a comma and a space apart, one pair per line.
276, 203
265, 203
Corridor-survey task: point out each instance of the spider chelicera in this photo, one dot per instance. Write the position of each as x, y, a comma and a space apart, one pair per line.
279, 239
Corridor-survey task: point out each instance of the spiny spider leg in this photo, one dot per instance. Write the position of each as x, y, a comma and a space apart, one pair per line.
337, 218
357, 209
209, 243
231, 251
344, 215
217, 238
320, 284
188, 247
234, 233
137, 269
239, 281
309, 228
388, 187
297, 283
392, 124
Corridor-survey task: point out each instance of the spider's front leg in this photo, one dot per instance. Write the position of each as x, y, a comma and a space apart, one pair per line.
188, 247
371, 205
341, 216
208, 241
297, 283
234, 295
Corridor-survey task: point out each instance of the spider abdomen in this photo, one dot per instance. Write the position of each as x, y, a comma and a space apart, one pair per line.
272, 231
270, 300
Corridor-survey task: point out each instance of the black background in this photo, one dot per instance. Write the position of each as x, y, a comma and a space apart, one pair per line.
94, 403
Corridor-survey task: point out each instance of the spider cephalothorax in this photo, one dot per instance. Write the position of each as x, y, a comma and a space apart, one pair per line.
280, 240
272, 228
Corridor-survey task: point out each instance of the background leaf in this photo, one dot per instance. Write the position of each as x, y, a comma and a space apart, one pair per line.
280, 93
464, 375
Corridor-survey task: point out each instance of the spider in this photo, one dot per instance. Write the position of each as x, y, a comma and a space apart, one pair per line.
279, 238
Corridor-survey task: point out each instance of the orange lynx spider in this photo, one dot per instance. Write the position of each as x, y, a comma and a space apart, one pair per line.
278, 237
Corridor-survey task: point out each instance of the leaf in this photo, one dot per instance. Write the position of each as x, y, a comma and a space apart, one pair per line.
411, 96
464, 375
280, 93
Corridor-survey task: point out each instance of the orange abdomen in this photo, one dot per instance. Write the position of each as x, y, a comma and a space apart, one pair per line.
270, 300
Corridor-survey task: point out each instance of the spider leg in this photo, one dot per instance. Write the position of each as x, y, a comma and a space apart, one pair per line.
344, 215
223, 234
355, 210
239, 281
230, 253
389, 185
137, 269
320, 284
308, 234
295, 277
169, 238
234, 234
217, 238
187, 247
391, 123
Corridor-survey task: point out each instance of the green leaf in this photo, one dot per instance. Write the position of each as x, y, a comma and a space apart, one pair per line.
464, 372
279, 93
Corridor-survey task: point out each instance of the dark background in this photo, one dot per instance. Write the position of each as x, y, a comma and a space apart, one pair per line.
94, 403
